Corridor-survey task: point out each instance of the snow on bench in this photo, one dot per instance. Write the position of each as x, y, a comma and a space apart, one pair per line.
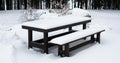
64, 41
76, 35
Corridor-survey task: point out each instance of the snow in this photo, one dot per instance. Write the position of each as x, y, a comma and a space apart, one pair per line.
23, 33
14, 50
6, 53
44, 23
80, 12
74, 36
47, 24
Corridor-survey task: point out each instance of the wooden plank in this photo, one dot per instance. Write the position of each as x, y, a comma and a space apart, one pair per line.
80, 45
85, 36
38, 45
69, 25
40, 42
51, 37
56, 28
33, 28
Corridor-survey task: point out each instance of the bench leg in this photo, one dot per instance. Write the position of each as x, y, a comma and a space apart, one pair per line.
92, 38
98, 37
60, 50
66, 50
70, 28
84, 26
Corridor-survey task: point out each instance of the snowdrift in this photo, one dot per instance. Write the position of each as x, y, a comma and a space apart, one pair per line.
6, 53
23, 34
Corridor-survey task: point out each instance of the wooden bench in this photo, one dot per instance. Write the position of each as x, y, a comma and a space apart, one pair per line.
64, 41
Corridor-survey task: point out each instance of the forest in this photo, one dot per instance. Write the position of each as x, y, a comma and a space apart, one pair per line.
58, 4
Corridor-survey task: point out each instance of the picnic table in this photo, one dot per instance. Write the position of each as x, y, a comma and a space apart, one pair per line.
49, 25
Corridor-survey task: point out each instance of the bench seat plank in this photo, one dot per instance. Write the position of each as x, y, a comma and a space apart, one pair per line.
76, 35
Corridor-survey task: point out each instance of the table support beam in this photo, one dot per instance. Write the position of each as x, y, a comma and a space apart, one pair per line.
84, 26
70, 28
29, 39
46, 42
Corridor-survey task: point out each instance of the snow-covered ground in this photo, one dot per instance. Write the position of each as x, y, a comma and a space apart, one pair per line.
14, 50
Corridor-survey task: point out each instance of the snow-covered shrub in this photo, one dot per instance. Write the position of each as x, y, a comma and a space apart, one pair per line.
65, 10
74, 12
39, 13
48, 14
80, 12
31, 15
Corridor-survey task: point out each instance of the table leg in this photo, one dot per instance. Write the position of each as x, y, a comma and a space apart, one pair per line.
84, 26
70, 28
29, 39
46, 42
98, 38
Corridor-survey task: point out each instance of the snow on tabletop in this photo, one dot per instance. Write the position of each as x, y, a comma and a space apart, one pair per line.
74, 36
51, 23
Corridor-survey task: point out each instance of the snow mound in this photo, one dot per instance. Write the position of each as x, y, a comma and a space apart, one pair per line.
23, 33
10, 17
6, 53
80, 12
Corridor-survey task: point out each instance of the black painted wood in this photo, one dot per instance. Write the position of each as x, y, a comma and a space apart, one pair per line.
69, 25
80, 45
70, 28
66, 50
40, 43
60, 50
98, 37
46, 42
29, 39
51, 37
84, 26
43, 43
33, 28
92, 40
92, 37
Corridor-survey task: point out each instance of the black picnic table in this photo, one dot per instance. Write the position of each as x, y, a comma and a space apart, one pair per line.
46, 26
